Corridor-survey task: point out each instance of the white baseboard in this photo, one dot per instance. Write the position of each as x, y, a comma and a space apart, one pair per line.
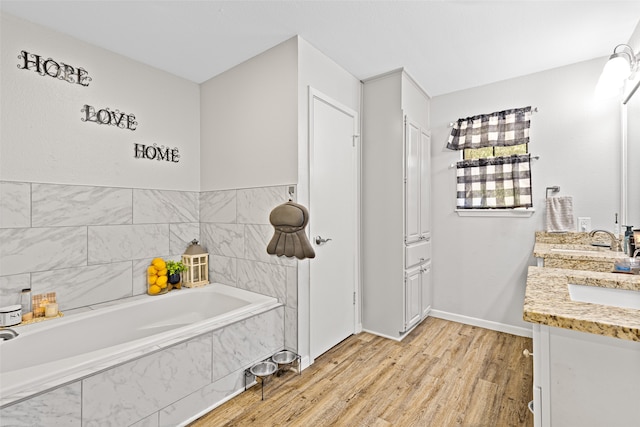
305, 362
398, 338
487, 324
211, 407
382, 335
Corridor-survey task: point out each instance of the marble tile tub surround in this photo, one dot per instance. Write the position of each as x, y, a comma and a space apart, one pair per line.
93, 244
164, 388
88, 244
235, 229
547, 302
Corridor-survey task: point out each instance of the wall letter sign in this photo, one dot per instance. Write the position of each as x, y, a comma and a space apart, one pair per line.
105, 116
51, 68
151, 152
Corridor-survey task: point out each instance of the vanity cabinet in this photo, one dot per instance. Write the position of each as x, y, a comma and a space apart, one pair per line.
583, 379
396, 217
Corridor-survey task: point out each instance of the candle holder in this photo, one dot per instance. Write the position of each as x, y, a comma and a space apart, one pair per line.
196, 261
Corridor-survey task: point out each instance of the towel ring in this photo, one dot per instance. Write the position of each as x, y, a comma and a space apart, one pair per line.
554, 189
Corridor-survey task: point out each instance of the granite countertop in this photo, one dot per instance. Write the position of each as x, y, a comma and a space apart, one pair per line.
584, 252
575, 251
547, 302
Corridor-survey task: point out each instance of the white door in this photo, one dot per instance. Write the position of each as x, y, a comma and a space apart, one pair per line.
333, 201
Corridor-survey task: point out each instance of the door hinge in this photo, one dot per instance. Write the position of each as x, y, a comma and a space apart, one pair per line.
354, 298
354, 139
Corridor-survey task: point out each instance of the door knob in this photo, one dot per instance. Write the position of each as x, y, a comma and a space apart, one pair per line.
320, 240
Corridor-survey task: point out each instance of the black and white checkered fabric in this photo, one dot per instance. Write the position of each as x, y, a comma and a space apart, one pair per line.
494, 183
502, 128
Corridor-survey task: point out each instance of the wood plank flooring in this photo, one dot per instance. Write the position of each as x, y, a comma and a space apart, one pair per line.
443, 374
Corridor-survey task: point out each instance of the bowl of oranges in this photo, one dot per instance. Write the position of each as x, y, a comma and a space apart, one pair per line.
157, 277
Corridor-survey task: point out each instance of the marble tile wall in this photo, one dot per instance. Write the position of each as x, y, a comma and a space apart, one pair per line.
88, 244
93, 244
235, 229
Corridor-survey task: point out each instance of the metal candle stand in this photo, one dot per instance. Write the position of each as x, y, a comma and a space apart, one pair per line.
276, 364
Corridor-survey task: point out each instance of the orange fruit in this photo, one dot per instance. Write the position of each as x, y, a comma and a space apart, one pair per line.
162, 281
162, 272
159, 263
152, 271
152, 279
154, 289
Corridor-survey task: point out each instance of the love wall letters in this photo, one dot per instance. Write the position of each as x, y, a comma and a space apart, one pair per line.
105, 116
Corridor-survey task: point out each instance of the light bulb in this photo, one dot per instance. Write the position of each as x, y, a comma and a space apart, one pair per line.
611, 81
617, 68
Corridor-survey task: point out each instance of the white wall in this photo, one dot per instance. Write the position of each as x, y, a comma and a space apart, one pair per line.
480, 264
321, 73
44, 140
634, 40
248, 123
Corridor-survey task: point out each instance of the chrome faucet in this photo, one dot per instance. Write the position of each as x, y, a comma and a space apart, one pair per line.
7, 334
615, 242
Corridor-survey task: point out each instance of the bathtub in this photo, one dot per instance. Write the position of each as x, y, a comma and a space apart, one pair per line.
63, 350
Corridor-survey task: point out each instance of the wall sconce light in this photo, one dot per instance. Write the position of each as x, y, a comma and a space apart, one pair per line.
620, 66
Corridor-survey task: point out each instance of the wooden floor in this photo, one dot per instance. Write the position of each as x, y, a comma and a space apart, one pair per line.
443, 374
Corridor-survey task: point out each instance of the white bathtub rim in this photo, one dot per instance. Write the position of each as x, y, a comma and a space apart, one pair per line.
107, 307
45, 377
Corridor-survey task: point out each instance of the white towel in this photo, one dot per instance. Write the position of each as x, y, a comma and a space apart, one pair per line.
560, 214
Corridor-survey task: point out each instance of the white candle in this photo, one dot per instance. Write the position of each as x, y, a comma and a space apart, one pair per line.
51, 310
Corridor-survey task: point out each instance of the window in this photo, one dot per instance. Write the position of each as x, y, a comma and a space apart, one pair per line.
479, 153
495, 170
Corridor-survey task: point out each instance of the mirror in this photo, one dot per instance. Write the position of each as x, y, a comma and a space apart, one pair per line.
631, 111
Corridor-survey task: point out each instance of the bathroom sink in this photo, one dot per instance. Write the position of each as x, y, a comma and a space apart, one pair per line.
623, 298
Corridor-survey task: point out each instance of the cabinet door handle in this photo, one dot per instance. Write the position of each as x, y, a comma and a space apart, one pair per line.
527, 353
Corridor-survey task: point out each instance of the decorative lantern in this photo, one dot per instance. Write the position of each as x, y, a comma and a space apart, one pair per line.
197, 262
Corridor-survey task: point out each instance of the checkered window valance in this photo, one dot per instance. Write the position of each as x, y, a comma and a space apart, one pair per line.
494, 183
502, 128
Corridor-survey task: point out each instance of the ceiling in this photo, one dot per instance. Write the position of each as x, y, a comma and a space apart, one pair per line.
445, 45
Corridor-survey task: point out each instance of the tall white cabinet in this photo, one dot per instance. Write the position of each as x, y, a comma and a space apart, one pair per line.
396, 230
